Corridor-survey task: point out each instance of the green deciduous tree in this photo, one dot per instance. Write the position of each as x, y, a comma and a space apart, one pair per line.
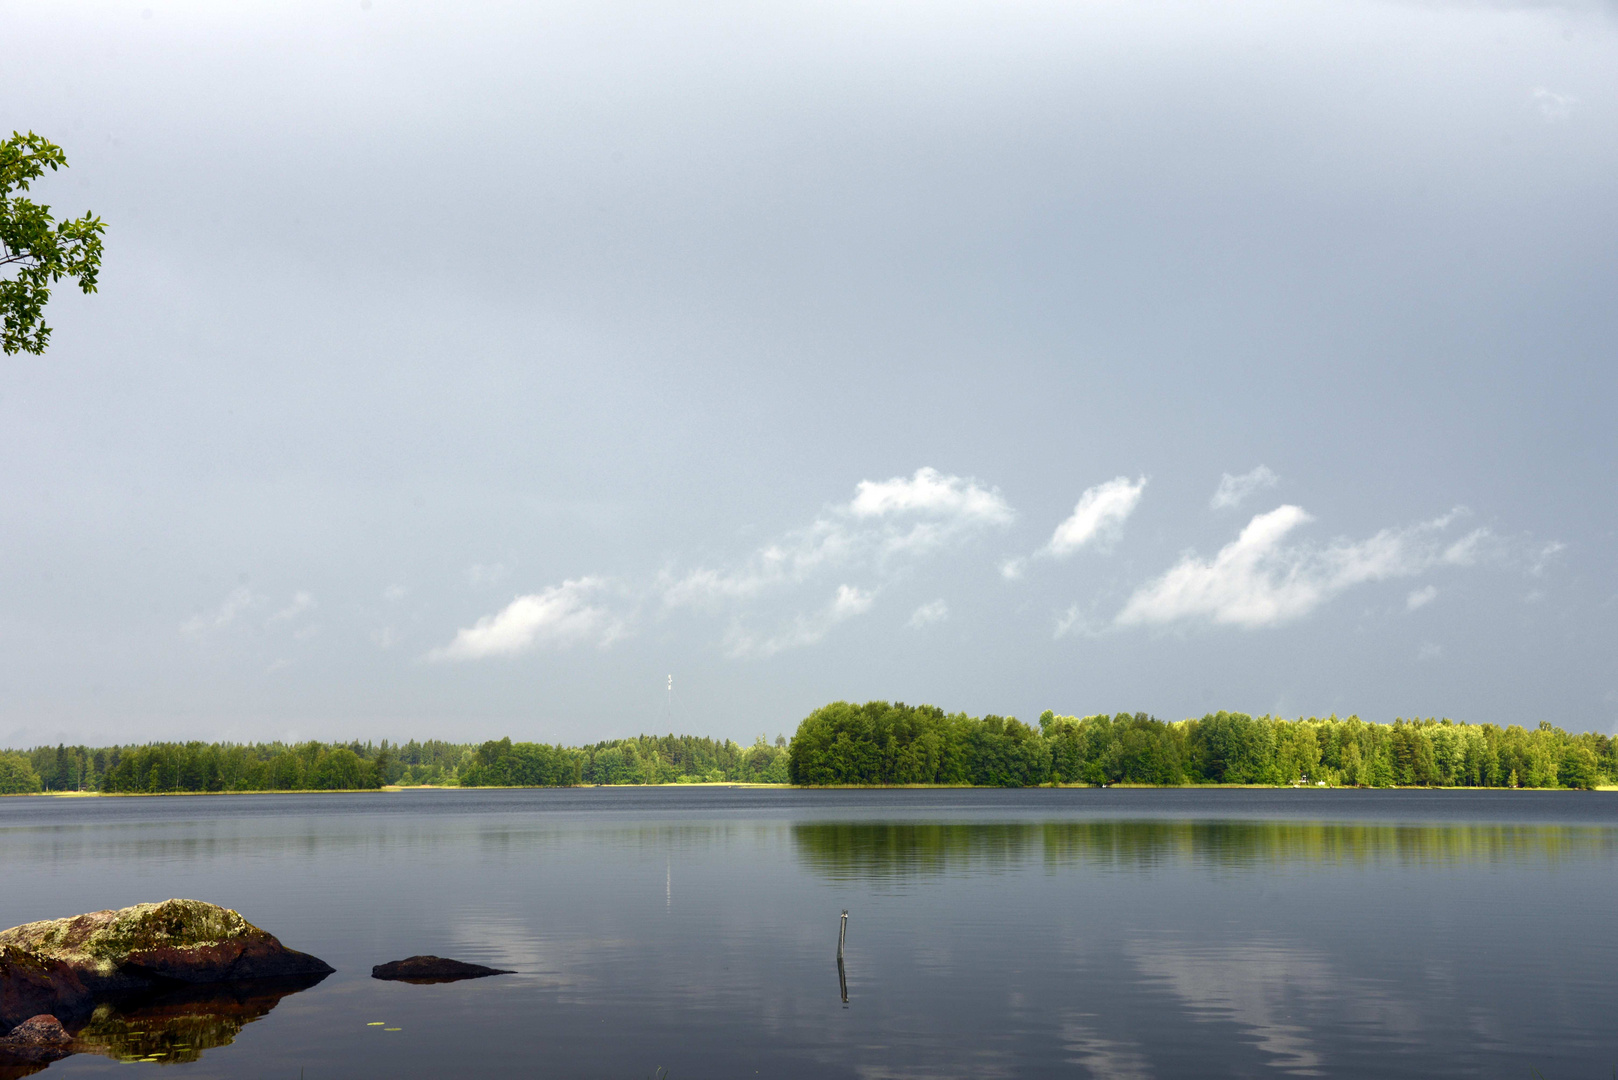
36, 251
503, 763
883, 743
17, 775
342, 769
1580, 767
1233, 748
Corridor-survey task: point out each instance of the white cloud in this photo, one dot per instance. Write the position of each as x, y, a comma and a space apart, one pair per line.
934, 612
1072, 621
1098, 517
790, 560
1257, 581
930, 492
1429, 651
948, 507
240, 599
1542, 558
395, 593
1468, 549
705, 587
886, 524
1012, 569
301, 602
900, 518
1420, 598
560, 616
849, 602
1233, 490
385, 638
1554, 107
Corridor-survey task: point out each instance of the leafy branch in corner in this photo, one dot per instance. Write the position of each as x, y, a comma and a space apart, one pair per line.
37, 251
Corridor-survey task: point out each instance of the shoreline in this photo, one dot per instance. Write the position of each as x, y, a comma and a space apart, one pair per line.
395, 788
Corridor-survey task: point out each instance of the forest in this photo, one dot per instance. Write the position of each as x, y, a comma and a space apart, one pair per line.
892, 743
314, 766
878, 743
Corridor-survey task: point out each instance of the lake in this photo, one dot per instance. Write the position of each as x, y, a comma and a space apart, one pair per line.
1078, 932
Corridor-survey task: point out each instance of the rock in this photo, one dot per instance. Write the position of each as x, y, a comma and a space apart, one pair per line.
64, 966
432, 969
33, 1044
41, 1030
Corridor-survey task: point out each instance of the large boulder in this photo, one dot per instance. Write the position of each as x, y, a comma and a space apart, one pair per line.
62, 967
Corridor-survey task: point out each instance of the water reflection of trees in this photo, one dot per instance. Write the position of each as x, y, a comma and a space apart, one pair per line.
850, 849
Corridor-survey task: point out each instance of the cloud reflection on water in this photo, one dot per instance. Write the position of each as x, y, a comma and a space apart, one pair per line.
1256, 986
1106, 1059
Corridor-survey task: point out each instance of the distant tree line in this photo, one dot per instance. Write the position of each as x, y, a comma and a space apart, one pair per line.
199, 766
875, 743
315, 766
644, 759
892, 743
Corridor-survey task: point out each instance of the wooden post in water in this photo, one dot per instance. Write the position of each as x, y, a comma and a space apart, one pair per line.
842, 975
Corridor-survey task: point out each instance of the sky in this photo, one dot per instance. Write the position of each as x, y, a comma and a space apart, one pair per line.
464, 370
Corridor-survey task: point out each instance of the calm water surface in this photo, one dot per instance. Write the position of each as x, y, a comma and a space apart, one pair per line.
1072, 933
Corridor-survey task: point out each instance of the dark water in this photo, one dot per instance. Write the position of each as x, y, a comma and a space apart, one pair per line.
1117, 934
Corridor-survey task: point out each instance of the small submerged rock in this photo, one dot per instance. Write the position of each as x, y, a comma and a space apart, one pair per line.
41, 1030
41, 1036
432, 969
33, 1044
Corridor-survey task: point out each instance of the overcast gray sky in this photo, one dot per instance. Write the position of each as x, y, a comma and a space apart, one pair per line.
467, 369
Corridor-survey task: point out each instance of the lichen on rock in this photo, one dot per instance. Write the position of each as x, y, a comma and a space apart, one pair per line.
109, 937
64, 966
